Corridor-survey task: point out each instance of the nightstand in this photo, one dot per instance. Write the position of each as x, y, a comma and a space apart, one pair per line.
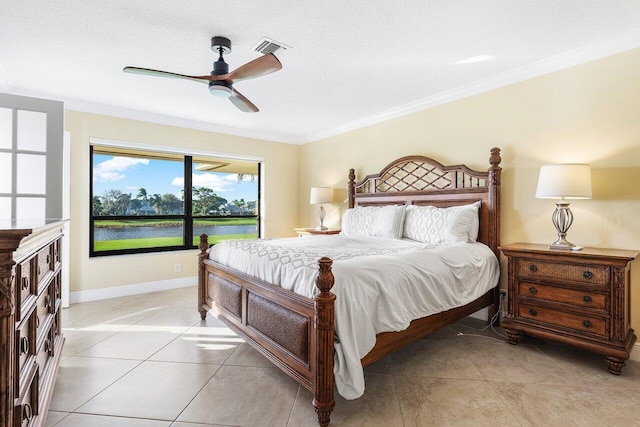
581, 298
313, 231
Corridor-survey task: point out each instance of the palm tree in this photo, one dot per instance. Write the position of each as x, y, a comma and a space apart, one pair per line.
142, 194
156, 202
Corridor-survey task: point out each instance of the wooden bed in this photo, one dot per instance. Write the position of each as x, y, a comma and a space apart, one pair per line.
295, 332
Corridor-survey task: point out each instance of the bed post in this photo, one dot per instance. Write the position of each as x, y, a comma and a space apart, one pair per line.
323, 401
202, 292
351, 186
494, 213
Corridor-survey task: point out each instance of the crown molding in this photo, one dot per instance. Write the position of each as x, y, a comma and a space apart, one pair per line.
89, 107
611, 46
176, 121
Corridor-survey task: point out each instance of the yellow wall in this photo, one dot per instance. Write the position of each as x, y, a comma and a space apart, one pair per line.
586, 114
281, 189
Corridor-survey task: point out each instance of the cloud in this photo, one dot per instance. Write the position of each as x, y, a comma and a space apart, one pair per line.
214, 182
112, 170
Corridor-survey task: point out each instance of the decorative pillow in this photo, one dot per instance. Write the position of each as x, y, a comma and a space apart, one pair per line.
359, 220
389, 222
429, 224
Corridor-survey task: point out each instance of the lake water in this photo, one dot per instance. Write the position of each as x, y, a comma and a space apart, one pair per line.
121, 233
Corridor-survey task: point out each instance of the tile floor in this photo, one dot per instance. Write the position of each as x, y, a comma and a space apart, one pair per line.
148, 361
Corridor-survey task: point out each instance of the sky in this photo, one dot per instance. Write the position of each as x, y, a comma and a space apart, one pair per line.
129, 174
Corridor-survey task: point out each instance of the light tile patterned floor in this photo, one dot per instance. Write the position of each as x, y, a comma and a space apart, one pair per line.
148, 361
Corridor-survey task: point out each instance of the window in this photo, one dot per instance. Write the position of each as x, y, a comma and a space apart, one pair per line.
144, 201
31, 147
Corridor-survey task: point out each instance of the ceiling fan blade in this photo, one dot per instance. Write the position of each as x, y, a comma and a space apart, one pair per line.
159, 73
262, 66
241, 102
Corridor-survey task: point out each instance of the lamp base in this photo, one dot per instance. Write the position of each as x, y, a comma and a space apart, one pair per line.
562, 219
562, 247
321, 228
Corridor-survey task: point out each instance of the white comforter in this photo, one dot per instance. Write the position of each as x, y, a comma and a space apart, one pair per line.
380, 285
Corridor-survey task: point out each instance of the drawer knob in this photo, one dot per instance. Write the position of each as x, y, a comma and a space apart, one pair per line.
47, 301
48, 258
533, 268
27, 412
533, 312
37, 322
586, 323
587, 299
24, 345
47, 345
25, 283
39, 270
587, 274
533, 290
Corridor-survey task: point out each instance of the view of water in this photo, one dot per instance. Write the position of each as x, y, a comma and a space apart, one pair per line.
120, 233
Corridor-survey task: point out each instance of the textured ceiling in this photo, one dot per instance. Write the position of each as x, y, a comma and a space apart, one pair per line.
351, 63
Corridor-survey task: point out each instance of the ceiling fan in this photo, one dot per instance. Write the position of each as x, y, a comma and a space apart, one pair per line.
221, 80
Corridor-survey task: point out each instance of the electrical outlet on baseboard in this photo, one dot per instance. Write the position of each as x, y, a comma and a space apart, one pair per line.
176, 268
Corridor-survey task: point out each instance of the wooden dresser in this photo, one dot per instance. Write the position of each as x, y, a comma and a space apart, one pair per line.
581, 298
30, 323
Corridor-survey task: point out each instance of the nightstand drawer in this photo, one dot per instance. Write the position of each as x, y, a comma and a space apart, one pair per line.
592, 325
568, 296
593, 274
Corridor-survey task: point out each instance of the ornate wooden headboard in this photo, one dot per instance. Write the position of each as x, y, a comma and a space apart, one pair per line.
419, 180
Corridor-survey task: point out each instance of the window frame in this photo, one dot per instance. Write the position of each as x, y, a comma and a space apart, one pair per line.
187, 217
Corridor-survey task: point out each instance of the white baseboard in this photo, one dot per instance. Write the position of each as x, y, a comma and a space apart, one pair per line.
135, 289
635, 353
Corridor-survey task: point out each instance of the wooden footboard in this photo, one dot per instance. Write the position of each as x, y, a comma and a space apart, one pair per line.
294, 332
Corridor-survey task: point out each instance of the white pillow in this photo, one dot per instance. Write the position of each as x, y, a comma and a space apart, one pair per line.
359, 220
475, 223
429, 224
389, 222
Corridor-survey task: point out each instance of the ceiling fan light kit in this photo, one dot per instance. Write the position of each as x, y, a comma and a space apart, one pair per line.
221, 80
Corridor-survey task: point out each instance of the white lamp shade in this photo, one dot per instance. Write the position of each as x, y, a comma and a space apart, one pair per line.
568, 181
320, 195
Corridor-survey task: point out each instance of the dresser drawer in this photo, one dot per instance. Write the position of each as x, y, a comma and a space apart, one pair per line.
587, 299
44, 307
56, 253
44, 264
577, 322
25, 342
592, 274
45, 353
25, 288
25, 413
57, 287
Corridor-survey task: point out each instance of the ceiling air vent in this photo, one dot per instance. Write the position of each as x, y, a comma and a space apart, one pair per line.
266, 46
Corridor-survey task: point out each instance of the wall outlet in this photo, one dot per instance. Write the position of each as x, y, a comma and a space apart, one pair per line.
176, 268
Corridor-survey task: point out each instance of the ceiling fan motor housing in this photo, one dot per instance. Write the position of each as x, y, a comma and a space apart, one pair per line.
221, 88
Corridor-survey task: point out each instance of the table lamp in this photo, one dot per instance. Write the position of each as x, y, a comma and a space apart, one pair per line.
319, 196
564, 181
